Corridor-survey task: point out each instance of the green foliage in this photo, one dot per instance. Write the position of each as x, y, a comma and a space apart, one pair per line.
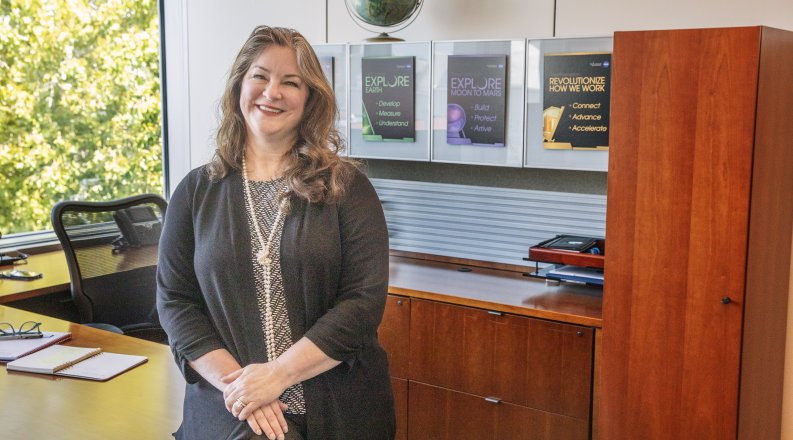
79, 105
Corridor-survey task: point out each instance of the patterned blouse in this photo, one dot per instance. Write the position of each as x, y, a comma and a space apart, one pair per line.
265, 195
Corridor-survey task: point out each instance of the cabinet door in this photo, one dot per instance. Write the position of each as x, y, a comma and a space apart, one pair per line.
394, 334
531, 362
441, 414
682, 119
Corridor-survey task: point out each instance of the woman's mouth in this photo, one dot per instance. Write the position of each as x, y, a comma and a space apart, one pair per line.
268, 109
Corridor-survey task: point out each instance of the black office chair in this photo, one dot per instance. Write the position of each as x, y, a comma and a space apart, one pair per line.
111, 251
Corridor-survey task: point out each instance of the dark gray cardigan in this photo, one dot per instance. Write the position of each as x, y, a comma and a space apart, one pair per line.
334, 261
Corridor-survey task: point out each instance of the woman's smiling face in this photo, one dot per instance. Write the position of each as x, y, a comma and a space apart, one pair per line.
273, 96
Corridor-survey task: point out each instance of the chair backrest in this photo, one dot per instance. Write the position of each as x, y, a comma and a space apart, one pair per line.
111, 251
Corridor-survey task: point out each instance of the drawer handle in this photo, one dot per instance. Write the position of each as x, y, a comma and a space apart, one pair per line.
492, 399
496, 313
399, 302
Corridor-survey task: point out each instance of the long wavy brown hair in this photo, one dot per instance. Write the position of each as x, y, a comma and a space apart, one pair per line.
315, 171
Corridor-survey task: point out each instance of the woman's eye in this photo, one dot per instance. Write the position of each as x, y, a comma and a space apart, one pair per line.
292, 83
259, 76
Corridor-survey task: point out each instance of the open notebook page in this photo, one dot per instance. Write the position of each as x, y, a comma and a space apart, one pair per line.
52, 359
102, 366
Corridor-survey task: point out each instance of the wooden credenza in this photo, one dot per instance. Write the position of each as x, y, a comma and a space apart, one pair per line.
460, 371
700, 220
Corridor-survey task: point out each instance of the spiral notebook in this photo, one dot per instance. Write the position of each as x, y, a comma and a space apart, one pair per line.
85, 363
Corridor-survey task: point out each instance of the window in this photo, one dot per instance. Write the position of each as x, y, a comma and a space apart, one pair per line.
80, 113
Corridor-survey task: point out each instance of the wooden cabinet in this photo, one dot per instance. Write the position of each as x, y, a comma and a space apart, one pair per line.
475, 373
699, 227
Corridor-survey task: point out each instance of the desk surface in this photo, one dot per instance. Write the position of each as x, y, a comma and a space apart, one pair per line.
499, 290
143, 403
55, 279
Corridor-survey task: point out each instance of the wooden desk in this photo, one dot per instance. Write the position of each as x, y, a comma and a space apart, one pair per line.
143, 403
55, 279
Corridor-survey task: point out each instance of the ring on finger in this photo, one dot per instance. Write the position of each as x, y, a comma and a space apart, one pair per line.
240, 402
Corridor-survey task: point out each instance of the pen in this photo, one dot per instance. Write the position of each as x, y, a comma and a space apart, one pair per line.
11, 337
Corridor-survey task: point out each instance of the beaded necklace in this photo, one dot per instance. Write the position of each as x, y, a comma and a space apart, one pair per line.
264, 258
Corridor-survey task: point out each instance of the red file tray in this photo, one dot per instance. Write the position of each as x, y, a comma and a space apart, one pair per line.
554, 256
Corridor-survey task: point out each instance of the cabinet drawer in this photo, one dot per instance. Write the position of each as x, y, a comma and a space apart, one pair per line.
530, 362
438, 413
394, 334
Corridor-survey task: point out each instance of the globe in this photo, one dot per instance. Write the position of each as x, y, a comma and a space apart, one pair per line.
383, 15
383, 12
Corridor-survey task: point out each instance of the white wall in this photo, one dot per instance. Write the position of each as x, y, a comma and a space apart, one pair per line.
203, 37
582, 17
456, 20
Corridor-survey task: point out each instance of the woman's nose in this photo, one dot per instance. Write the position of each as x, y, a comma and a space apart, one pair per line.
272, 91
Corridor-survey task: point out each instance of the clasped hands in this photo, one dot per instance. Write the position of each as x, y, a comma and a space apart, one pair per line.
258, 387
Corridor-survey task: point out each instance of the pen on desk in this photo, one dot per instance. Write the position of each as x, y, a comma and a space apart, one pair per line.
12, 337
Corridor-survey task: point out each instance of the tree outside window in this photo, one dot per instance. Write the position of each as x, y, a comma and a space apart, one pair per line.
80, 114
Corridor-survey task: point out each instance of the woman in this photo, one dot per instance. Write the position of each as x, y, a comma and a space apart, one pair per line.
273, 267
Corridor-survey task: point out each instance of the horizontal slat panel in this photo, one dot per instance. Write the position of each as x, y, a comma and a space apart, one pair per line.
483, 223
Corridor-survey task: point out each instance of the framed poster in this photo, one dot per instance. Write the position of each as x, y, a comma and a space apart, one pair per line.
567, 103
576, 100
333, 59
389, 100
478, 91
476, 100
